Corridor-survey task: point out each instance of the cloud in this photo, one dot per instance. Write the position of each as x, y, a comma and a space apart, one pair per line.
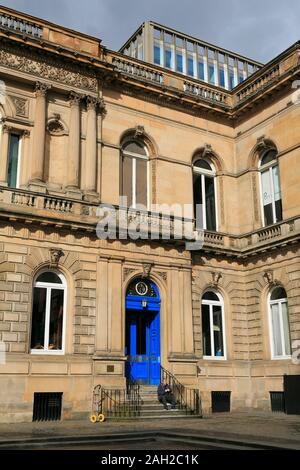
259, 29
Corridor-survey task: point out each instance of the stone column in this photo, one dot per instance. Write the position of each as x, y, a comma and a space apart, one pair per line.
89, 184
38, 151
72, 184
4, 154
25, 159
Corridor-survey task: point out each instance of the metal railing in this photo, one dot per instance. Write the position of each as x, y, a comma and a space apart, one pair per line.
188, 399
120, 403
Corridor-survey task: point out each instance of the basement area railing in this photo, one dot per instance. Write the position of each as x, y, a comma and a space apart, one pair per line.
188, 399
119, 403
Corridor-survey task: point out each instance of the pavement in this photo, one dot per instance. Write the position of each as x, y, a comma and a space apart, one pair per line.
261, 428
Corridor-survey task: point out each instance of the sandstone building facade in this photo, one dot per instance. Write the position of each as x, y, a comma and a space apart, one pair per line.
82, 125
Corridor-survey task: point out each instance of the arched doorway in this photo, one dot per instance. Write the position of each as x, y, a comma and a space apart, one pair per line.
142, 345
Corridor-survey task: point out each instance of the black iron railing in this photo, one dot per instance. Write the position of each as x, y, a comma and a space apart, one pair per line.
188, 399
120, 403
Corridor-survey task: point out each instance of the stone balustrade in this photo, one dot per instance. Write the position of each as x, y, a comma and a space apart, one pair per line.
258, 84
204, 92
18, 24
129, 67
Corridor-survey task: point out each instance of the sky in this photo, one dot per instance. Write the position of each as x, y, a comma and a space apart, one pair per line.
258, 29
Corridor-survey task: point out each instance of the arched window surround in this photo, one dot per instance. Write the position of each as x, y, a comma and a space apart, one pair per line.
207, 222
134, 158
45, 348
209, 305
284, 342
270, 187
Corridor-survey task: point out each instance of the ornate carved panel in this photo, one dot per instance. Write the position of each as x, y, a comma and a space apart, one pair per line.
21, 106
66, 74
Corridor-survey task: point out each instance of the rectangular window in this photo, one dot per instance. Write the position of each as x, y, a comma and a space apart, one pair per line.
190, 66
179, 62
201, 70
168, 58
206, 331
277, 193
210, 204
271, 194
211, 73
157, 54
280, 330
198, 207
221, 77
127, 180
56, 319
231, 79
38, 318
13, 160
267, 197
218, 331
141, 181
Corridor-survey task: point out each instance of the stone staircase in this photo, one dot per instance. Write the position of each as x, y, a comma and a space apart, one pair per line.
151, 408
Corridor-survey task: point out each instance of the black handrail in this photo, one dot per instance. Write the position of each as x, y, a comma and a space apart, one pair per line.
120, 403
187, 399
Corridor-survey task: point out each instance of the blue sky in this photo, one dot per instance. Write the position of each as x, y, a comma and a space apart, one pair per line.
259, 29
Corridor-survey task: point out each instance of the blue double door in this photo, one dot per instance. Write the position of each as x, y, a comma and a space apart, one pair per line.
143, 344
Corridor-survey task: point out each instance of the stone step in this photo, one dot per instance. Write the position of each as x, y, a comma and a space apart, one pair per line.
168, 415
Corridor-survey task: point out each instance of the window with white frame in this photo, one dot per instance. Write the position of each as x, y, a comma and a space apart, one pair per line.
13, 160
48, 313
213, 329
204, 195
135, 174
270, 188
279, 324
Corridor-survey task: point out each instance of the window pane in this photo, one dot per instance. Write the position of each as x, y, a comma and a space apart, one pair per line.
157, 55
141, 182
211, 73
127, 179
38, 318
56, 319
201, 70
231, 79
179, 66
276, 330
49, 277
218, 331
286, 329
278, 293
190, 66
269, 157
277, 193
267, 197
198, 207
221, 77
211, 296
206, 331
13, 156
210, 204
202, 164
141, 337
168, 58
135, 147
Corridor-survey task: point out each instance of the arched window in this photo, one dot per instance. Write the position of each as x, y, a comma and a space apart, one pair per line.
279, 324
48, 313
135, 174
213, 331
270, 188
204, 195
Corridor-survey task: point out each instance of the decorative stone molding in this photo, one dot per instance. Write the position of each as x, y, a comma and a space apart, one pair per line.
127, 272
163, 275
55, 255
96, 103
139, 132
55, 126
28, 62
255, 199
42, 88
7, 128
21, 106
269, 278
26, 133
147, 269
206, 150
216, 277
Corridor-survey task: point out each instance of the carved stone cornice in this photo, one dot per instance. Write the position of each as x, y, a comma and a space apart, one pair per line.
46, 67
